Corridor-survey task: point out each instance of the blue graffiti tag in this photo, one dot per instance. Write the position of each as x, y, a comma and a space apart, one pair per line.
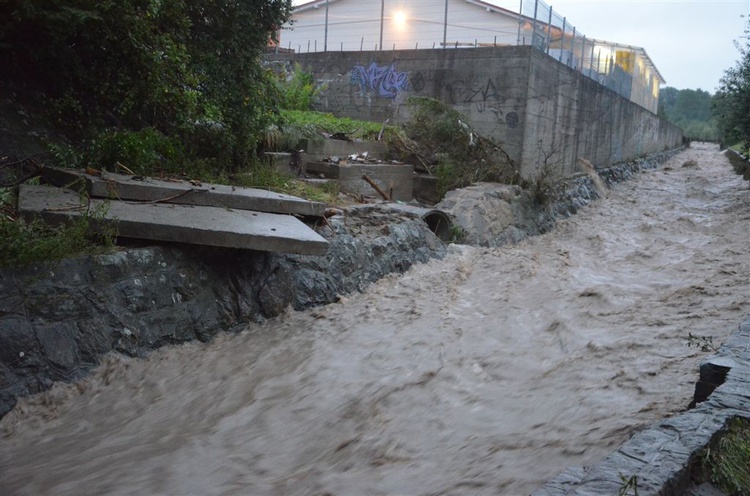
385, 80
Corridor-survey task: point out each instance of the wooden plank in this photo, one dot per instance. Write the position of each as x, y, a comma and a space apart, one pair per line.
203, 225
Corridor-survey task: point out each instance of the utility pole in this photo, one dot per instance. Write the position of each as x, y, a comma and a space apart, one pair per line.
382, 17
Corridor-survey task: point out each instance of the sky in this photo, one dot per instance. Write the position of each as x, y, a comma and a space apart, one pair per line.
689, 41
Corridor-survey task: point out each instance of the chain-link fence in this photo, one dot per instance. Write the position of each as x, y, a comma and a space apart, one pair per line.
359, 25
625, 69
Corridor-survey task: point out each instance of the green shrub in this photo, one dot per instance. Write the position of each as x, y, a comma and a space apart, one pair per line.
438, 139
297, 89
142, 152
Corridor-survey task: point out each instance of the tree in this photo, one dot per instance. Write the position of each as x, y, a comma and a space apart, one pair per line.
732, 105
227, 39
691, 111
133, 72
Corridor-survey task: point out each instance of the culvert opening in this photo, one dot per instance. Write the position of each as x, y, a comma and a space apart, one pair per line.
439, 224
437, 221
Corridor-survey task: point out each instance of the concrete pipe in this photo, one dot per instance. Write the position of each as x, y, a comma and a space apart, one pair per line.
438, 221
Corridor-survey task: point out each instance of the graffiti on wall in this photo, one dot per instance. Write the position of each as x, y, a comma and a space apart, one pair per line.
484, 96
417, 82
384, 80
481, 93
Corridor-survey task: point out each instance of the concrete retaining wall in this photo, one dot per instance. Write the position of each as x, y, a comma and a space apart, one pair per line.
539, 109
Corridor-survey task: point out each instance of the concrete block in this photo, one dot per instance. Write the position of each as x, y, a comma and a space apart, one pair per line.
285, 162
425, 188
395, 179
326, 169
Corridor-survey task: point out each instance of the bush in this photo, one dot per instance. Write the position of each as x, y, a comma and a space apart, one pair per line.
297, 89
438, 139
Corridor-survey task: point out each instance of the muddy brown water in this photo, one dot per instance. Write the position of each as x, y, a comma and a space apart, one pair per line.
485, 373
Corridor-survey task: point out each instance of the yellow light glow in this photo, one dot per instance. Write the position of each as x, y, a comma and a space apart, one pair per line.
399, 17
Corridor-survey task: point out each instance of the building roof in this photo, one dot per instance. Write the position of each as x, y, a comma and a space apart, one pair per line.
639, 50
488, 6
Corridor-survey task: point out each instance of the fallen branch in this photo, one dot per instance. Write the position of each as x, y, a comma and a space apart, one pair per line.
22, 179
161, 200
30, 157
377, 188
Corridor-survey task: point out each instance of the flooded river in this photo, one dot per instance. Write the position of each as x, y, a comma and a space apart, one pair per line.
487, 372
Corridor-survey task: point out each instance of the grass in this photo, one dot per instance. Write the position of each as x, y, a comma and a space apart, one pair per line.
725, 462
738, 147
265, 177
27, 242
327, 123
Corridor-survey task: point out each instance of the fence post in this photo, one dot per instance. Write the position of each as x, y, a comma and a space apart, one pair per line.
583, 52
549, 29
598, 65
573, 49
520, 21
562, 40
445, 26
533, 29
325, 32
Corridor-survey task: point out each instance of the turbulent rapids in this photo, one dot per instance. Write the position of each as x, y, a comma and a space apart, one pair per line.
487, 372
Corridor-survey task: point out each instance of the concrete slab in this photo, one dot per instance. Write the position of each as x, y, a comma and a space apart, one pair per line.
122, 187
202, 225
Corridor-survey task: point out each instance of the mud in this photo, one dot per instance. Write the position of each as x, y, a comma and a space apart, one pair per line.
487, 372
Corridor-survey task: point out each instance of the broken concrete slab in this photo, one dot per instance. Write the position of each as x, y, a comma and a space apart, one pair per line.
202, 225
122, 187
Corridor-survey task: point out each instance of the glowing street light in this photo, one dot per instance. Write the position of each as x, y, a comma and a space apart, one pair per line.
399, 18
